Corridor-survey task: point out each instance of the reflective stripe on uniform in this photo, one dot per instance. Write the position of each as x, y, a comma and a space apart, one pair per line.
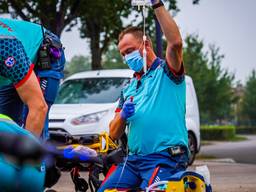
4, 117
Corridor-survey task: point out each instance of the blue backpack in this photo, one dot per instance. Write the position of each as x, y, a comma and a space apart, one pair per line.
56, 57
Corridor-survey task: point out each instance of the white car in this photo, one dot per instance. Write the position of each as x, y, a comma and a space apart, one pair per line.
87, 101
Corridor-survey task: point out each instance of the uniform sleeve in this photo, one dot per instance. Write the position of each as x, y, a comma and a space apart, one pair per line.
121, 103
15, 64
176, 77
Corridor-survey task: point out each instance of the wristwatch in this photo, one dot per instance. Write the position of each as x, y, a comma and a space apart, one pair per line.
160, 4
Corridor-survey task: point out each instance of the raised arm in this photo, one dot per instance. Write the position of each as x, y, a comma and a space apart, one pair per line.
172, 34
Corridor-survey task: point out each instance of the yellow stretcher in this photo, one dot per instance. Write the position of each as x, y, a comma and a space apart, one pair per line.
183, 181
102, 146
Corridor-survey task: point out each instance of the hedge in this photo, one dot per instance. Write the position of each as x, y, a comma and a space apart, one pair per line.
246, 129
218, 132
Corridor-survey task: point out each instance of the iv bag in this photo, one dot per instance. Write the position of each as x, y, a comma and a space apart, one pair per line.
141, 2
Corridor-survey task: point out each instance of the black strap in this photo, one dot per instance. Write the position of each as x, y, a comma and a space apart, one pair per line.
160, 4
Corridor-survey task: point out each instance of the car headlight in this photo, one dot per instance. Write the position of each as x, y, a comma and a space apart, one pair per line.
88, 119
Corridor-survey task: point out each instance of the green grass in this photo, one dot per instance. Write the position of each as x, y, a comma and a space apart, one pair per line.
238, 138
217, 132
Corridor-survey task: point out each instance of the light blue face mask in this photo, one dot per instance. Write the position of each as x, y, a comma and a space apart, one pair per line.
134, 60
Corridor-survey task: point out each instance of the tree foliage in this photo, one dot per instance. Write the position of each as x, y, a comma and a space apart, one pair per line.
212, 83
101, 20
101, 23
249, 99
55, 15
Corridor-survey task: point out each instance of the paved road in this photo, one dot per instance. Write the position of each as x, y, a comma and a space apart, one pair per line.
225, 177
231, 177
241, 152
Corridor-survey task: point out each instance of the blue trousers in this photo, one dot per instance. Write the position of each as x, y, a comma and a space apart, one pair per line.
141, 171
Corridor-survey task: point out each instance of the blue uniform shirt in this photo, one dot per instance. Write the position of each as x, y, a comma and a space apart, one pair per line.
159, 119
20, 42
31, 37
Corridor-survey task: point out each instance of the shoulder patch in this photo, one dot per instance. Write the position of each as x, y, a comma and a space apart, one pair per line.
10, 61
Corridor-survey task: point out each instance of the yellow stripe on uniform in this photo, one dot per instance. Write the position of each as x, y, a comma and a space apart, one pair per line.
2, 116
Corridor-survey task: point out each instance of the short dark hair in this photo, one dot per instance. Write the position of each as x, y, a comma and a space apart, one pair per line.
135, 31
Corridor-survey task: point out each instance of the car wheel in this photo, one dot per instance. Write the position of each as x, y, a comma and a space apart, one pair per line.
192, 147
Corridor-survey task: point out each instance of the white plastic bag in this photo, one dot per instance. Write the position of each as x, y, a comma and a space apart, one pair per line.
141, 2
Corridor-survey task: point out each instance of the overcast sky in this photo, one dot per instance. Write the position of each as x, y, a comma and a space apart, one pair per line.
230, 24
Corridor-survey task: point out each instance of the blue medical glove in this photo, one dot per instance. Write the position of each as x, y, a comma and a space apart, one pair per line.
67, 152
128, 109
81, 152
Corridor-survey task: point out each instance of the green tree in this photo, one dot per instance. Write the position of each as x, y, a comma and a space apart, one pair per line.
54, 15
78, 63
249, 99
102, 21
212, 83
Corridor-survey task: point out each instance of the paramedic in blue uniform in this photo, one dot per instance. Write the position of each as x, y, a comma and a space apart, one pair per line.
16, 71
43, 54
152, 106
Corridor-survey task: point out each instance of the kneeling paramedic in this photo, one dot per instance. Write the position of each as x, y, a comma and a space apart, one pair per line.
27, 48
153, 107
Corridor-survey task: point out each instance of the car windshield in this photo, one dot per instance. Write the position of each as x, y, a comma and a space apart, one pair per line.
90, 90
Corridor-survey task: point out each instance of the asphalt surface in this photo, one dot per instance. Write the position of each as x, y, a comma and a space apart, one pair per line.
225, 177
230, 177
240, 152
